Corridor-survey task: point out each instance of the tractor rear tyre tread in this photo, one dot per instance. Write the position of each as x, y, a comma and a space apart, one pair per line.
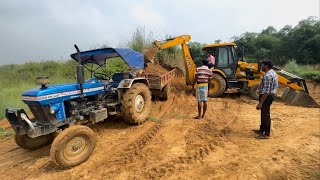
73, 146
166, 92
26, 142
253, 92
128, 104
222, 85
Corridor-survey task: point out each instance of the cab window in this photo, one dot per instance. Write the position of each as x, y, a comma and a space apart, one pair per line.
223, 56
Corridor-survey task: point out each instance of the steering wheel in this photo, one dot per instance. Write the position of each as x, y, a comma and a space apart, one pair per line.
101, 76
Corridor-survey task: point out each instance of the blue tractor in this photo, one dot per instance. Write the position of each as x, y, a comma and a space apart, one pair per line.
60, 111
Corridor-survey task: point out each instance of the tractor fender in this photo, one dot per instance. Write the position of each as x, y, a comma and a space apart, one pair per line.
217, 71
127, 83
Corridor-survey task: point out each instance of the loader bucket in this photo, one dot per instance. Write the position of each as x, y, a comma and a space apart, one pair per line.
150, 55
298, 98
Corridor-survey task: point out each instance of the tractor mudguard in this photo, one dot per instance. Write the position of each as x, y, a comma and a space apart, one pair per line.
127, 83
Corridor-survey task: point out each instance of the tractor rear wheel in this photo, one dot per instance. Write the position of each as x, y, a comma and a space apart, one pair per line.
253, 92
166, 92
217, 85
73, 146
136, 103
26, 142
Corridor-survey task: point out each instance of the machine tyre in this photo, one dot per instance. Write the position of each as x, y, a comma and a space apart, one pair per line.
253, 92
73, 146
26, 142
166, 92
217, 85
136, 103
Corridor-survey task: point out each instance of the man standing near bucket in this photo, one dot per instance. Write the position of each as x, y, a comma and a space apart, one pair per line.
203, 75
267, 91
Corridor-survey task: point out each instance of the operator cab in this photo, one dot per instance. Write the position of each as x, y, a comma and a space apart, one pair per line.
225, 57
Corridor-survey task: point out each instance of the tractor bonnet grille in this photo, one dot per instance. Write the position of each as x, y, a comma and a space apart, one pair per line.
41, 113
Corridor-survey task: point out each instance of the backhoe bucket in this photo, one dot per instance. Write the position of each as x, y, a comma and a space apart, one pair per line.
298, 98
150, 55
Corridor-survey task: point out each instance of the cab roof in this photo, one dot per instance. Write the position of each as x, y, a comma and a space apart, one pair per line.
219, 44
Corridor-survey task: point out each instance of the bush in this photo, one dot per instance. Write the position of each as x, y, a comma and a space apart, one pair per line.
305, 71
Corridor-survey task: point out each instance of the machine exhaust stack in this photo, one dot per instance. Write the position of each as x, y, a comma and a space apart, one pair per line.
80, 72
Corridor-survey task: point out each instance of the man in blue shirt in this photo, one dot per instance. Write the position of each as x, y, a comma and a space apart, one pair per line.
267, 90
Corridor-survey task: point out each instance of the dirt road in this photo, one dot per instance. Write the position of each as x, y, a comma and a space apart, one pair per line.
173, 145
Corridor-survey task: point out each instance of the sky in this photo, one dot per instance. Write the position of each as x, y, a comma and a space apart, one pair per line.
36, 30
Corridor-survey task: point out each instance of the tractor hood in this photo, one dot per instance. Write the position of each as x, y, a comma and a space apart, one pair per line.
100, 56
61, 92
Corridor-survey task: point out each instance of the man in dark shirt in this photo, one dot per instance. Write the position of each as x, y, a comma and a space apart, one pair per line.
203, 75
267, 91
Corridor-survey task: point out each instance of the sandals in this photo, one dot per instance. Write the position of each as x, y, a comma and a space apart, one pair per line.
198, 117
257, 132
262, 137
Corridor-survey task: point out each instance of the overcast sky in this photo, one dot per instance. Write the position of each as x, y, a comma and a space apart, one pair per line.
34, 30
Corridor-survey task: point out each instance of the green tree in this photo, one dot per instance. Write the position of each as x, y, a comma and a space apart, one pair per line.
270, 30
196, 52
140, 41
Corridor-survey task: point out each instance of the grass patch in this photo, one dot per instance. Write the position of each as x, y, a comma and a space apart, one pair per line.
5, 133
305, 71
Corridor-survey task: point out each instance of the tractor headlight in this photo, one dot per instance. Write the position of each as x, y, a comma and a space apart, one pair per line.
54, 109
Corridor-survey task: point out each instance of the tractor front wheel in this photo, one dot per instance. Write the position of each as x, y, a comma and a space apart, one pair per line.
26, 142
136, 103
73, 146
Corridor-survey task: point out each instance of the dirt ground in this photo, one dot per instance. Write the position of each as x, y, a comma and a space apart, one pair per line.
174, 145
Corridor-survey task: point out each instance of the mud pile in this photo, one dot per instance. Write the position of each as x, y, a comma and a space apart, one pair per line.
156, 69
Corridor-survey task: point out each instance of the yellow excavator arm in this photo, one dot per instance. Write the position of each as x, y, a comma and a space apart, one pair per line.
182, 40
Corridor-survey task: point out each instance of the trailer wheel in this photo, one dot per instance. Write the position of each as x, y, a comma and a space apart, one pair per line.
217, 86
166, 92
26, 142
253, 92
136, 103
73, 146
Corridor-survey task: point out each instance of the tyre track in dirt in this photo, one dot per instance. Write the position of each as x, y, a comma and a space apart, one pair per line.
201, 141
131, 152
181, 163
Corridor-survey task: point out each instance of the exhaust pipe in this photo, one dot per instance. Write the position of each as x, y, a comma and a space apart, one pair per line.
80, 73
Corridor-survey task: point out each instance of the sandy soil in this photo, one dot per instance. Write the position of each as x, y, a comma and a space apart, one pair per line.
155, 68
173, 145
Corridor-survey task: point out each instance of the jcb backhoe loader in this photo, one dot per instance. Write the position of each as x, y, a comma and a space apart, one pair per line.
231, 72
